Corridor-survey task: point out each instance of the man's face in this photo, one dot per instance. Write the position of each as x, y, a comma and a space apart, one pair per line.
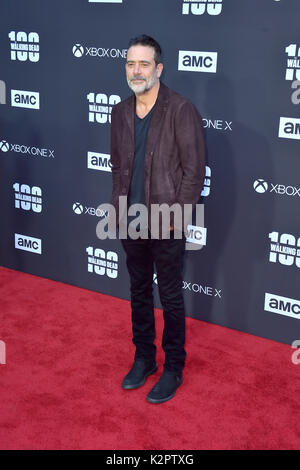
141, 71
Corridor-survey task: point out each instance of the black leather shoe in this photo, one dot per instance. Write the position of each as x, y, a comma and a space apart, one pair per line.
165, 388
138, 373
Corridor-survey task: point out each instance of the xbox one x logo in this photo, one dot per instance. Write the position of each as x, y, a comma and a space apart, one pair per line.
260, 186
4, 146
77, 208
78, 50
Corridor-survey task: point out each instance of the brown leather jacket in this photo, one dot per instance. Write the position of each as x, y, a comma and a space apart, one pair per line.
174, 166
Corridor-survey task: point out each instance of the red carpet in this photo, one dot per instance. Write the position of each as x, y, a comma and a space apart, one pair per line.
67, 350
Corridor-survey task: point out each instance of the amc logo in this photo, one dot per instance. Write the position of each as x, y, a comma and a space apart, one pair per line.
23, 242
99, 161
195, 61
282, 305
25, 99
196, 234
289, 128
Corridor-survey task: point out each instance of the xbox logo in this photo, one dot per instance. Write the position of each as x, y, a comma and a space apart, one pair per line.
78, 50
4, 146
77, 208
260, 186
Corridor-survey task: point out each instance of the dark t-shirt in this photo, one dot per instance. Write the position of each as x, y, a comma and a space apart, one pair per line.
136, 193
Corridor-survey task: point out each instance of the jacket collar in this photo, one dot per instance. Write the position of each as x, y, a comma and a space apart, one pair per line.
160, 107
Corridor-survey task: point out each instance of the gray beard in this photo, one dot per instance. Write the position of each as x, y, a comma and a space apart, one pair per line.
145, 87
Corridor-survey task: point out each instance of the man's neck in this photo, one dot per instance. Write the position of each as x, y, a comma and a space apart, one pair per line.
146, 101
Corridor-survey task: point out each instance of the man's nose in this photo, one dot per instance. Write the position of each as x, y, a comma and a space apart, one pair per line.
137, 69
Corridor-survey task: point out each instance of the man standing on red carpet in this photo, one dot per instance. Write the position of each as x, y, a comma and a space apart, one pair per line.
158, 158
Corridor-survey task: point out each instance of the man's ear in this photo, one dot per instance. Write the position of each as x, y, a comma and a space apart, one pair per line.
159, 69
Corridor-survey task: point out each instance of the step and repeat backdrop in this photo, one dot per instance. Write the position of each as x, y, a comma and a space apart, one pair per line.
62, 69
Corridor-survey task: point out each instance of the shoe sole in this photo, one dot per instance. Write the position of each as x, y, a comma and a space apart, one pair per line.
134, 386
156, 401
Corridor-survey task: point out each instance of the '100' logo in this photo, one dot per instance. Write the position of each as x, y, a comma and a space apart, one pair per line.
284, 249
199, 7
293, 62
100, 106
28, 198
24, 46
102, 263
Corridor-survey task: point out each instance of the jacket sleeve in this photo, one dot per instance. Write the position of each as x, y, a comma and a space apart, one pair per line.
114, 157
191, 145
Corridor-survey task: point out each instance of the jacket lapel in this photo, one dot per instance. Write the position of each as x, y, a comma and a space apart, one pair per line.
156, 121
129, 117
156, 124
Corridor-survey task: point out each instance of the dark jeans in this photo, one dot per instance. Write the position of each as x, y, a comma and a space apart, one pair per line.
168, 258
